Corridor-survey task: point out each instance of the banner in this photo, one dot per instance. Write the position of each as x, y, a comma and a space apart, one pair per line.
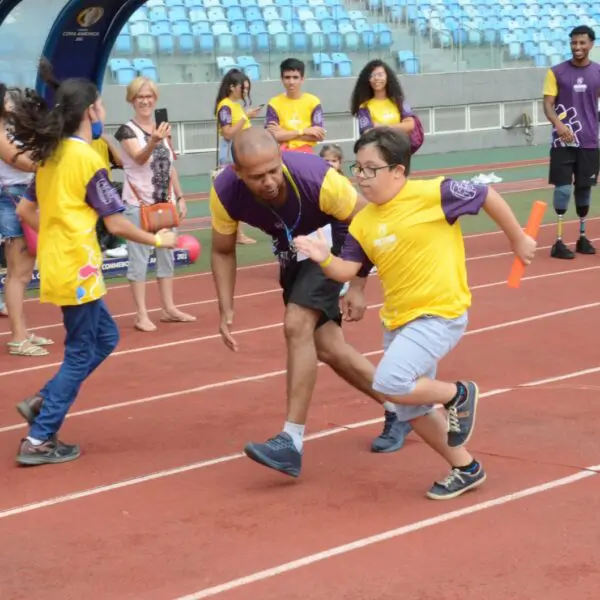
112, 267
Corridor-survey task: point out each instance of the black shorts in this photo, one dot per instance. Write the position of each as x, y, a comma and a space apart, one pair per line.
305, 284
577, 166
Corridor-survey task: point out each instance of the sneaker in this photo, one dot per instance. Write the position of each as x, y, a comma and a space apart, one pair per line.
560, 250
457, 483
344, 289
30, 408
277, 453
584, 246
461, 416
50, 452
493, 178
393, 435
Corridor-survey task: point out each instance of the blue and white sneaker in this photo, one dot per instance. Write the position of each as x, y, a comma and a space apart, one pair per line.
393, 435
457, 483
278, 452
461, 415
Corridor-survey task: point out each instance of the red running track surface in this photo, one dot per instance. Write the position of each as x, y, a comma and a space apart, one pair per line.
162, 504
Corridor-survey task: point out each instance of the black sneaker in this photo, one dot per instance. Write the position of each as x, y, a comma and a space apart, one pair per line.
584, 246
50, 452
560, 250
30, 408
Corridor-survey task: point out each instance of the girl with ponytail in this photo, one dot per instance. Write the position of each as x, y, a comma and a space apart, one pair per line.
71, 189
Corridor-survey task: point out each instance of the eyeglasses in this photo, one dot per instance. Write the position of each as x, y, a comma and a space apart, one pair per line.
368, 172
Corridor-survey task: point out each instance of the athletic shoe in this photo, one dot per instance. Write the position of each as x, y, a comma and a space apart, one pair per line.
50, 452
584, 246
344, 289
461, 416
560, 250
493, 178
30, 408
393, 435
277, 453
457, 483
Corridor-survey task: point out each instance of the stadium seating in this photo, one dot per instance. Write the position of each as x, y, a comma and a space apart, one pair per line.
338, 36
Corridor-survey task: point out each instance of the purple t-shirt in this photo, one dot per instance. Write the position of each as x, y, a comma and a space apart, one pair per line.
308, 173
577, 100
458, 198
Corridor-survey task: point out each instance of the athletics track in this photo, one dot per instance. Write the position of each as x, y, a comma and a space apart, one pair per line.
162, 505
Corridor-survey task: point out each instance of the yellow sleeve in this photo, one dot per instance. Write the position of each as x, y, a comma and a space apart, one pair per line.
338, 196
220, 219
550, 84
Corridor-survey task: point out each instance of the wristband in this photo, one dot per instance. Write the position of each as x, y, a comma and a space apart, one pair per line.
157, 241
327, 261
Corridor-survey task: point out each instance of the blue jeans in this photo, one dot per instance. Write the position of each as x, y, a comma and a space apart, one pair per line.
92, 335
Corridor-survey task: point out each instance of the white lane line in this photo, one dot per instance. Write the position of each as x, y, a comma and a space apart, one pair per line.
256, 294
274, 263
269, 326
270, 374
19, 510
390, 534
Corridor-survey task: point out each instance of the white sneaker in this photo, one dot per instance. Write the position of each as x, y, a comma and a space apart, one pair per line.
494, 178
345, 289
120, 252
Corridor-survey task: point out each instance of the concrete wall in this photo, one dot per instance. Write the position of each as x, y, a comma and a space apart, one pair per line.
460, 111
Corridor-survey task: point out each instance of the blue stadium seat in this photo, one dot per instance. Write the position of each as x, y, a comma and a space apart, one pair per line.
122, 71
146, 68
123, 45
206, 42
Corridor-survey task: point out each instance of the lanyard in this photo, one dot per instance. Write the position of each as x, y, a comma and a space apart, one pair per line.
289, 231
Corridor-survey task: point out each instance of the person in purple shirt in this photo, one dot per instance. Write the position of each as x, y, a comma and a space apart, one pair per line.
571, 92
284, 195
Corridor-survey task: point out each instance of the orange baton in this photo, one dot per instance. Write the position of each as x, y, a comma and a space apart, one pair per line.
533, 226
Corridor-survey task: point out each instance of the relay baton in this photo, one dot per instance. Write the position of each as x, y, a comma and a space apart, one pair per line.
533, 226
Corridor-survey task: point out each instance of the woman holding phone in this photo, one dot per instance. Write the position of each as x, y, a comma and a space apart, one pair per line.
150, 177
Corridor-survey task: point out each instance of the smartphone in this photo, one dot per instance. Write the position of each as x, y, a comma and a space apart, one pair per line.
161, 116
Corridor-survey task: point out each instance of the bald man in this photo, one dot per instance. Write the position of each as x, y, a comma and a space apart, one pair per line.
286, 196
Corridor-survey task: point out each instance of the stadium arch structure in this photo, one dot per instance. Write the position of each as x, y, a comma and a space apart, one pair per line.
80, 38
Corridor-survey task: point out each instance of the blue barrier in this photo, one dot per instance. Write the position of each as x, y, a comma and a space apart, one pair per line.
112, 267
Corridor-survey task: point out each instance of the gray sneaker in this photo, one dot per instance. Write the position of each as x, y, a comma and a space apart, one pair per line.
461, 416
277, 453
393, 435
457, 483
30, 408
50, 452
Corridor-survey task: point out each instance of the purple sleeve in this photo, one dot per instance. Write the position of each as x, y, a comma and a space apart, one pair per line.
353, 252
102, 196
30, 193
461, 198
406, 110
364, 120
316, 118
271, 116
224, 116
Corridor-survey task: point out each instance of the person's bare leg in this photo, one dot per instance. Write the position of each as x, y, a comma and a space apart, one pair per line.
170, 312
284, 451
357, 370
142, 319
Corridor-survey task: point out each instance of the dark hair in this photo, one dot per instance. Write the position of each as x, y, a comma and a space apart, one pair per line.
334, 149
40, 128
392, 144
3, 93
292, 64
363, 91
232, 78
248, 98
583, 30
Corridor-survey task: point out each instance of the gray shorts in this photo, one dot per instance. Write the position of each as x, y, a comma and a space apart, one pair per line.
139, 254
413, 351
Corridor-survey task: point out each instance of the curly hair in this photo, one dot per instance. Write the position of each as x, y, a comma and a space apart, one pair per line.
363, 91
39, 128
